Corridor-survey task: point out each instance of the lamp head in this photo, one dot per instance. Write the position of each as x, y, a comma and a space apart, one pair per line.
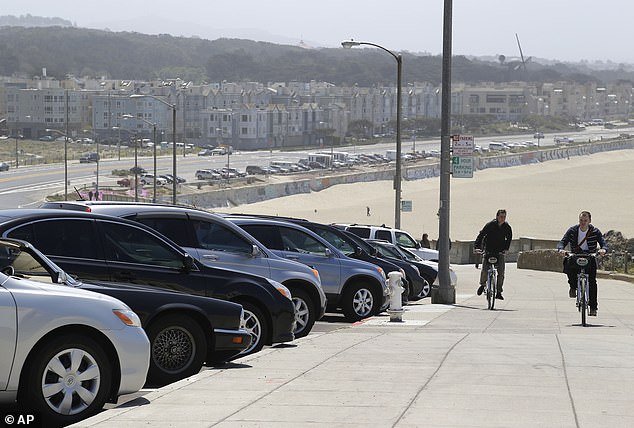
127, 116
347, 44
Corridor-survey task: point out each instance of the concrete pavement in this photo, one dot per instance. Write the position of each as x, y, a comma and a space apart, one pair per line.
529, 363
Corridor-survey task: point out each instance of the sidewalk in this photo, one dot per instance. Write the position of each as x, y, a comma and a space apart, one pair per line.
529, 363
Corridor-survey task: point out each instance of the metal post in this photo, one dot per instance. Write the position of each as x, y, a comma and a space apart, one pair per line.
397, 178
136, 171
97, 180
66, 153
16, 148
445, 293
174, 154
155, 177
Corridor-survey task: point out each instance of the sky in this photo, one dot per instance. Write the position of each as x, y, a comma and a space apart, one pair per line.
564, 30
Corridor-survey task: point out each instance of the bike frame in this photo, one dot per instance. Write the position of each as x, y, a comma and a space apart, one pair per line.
492, 272
583, 292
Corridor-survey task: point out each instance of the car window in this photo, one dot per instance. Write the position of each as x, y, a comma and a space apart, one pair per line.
300, 242
125, 243
212, 236
269, 236
24, 265
336, 241
385, 235
176, 229
404, 240
363, 232
388, 252
60, 237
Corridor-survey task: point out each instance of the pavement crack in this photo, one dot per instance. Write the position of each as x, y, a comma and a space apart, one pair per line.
433, 375
563, 365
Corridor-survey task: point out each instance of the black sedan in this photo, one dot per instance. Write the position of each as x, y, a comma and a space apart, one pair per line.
185, 331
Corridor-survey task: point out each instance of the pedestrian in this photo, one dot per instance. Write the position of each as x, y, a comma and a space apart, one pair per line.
583, 238
367, 211
96, 195
90, 195
424, 241
494, 238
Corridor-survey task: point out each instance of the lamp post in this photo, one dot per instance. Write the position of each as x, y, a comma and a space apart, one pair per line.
65, 159
397, 177
154, 146
173, 107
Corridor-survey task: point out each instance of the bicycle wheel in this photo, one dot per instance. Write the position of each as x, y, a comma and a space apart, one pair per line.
493, 290
583, 301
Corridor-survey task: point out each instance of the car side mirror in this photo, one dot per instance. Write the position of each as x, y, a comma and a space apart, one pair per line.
358, 251
188, 263
255, 251
328, 253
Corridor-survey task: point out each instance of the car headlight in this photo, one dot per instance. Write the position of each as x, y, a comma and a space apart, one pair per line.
281, 288
128, 317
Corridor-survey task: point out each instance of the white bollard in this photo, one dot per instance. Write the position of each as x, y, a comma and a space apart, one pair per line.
396, 291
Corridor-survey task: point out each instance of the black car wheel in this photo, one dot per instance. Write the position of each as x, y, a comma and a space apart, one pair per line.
178, 349
304, 313
68, 379
359, 302
256, 325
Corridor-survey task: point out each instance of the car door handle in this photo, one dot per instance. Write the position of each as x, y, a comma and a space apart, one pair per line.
211, 257
295, 258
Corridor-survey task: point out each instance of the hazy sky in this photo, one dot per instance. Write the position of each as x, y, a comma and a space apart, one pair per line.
567, 30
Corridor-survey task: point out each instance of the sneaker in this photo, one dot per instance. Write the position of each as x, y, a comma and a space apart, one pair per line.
480, 290
499, 296
572, 293
593, 312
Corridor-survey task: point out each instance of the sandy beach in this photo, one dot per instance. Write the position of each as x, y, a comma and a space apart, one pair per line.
542, 199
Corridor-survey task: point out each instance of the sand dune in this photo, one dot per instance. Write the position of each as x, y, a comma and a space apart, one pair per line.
542, 199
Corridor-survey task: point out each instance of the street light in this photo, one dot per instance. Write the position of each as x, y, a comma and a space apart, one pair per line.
65, 159
154, 146
347, 44
173, 107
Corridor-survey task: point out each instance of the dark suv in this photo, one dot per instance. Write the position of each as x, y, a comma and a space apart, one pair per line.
99, 247
218, 242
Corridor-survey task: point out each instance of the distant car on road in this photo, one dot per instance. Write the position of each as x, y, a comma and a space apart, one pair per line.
64, 351
4, 166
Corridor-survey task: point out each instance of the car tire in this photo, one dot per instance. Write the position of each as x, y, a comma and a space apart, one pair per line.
178, 348
359, 301
304, 312
257, 326
426, 291
94, 370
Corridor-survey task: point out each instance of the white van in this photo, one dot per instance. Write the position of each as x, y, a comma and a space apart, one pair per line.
495, 146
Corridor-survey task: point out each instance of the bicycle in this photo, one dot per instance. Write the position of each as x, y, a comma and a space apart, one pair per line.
492, 275
583, 292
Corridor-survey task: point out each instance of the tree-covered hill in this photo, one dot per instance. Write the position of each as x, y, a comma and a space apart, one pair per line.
64, 50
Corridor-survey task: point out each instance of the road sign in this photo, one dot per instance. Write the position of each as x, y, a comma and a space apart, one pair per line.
406, 206
462, 145
462, 166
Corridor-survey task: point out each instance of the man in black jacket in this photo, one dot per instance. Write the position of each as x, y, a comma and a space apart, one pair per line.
583, 238
494, 238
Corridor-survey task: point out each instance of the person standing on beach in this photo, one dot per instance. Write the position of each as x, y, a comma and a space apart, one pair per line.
367, 211
583, 238
495, 237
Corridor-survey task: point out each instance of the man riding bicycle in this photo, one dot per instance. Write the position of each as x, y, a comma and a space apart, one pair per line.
494, 238
583, 238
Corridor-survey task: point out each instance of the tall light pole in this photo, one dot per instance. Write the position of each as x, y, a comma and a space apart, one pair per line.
173, 107
65, 159
397, 176
446, 292
154, 146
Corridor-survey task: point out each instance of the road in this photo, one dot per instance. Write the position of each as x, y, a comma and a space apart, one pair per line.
29, 186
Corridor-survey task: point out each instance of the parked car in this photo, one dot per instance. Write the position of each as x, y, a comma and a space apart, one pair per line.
106, 248
89, 158
394, 251
124, 182
44, 325
205, 329
170, 178
137, 170
147, 179
218, 242
4, 166
354, 247
207, 174
395, 236
358, 288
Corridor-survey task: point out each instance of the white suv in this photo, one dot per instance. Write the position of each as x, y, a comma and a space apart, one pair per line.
395, 236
